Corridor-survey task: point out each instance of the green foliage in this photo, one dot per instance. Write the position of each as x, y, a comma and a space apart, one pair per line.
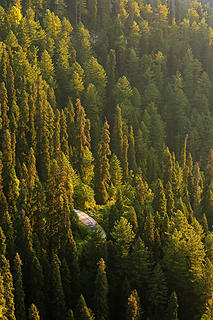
101, 292
33, 313
102, 175
115, 171
82, 311
68, 69
8, 288
2, 300
58, 301
123, 236
18, 288
172, 312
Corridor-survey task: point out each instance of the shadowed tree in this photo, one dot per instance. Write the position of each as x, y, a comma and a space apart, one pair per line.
101, 293
33, 313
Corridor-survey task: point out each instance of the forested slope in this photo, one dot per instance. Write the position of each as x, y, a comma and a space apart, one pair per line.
106, 107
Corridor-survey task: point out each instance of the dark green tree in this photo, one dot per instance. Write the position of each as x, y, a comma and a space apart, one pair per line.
131, 151
160, 202
18, 288
172, 310
8, 288
101, 293
3, 245
70, 315
102, 175
82, 312
58, 300
2, 300
125, 164
117, 134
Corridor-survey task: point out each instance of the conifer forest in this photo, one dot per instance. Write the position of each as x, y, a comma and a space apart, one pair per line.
106, 106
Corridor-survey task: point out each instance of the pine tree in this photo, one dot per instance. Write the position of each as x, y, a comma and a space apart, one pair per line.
149, 231
43, 154
117, 134
115, 171
8, 287
33, 313
102, 175
123, 236
94, 112
159, 291
4, 106
101, 293
172, 310
82, 155
206, 202
24, 239
70, 117
133, 308
92, 14
58, 300
96, 75
3, 309
132, 218
111, 69
170, 198
160, 202
71, 255
82, 43
56, 138
125, 164
18, 288
10, 180
11, 87
59, 197
139, 268
6, 224
82, 312
70, 315
64, 134
2, 242
131, 151
36, 281
66, 281
4, 64
47, 68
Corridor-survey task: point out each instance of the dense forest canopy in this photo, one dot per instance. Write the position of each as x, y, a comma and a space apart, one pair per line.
106, 107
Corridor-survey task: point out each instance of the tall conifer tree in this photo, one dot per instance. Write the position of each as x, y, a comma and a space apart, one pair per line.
101, 293
102, 175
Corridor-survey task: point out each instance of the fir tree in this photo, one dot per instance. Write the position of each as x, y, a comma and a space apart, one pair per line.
82, 312
58, 301
160, 202
8, 288
115, 171
70, 315
172, 311
125, 164
101, 293
131, 151
133, 308
2, 242
117, 134
3, 309
33, 313
66, 281
18, 288
123, 236
102, 175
